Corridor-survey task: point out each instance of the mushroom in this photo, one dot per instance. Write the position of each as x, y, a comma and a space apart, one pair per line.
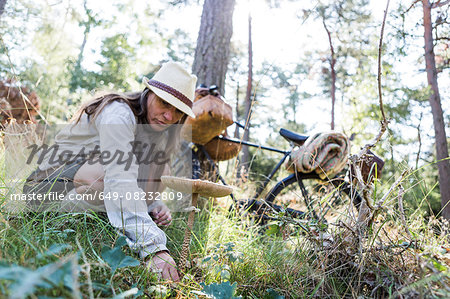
196, 187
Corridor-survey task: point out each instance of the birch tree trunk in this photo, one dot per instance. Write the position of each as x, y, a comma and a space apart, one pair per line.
213, 43
436, 110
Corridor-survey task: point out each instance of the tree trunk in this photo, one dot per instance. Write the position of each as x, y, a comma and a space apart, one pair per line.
333, 74
2, 6
238, 116
212, 54
213, 43
436, 110
245, 160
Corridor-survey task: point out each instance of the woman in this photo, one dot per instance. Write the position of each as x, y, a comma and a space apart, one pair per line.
106, 152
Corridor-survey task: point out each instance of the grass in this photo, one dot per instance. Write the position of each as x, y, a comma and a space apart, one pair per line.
54, 255
235, 250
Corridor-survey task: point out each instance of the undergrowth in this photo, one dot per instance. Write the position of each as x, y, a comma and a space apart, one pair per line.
388, 254
260, 262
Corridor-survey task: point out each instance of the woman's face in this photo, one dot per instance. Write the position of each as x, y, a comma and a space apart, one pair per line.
160, 114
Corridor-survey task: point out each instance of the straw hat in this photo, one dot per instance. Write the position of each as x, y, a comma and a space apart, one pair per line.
175, 85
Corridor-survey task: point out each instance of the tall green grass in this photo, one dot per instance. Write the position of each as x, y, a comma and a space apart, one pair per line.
260, 261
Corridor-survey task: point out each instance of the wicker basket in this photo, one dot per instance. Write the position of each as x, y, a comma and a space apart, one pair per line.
221, 150
212, 117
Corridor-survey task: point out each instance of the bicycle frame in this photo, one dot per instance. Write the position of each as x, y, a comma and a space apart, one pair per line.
272, 149
246, 143
253, 202
298, 177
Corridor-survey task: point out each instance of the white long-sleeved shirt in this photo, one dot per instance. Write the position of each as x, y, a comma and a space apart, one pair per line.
113, 131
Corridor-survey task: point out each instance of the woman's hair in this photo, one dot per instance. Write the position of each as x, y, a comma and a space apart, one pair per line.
137, 101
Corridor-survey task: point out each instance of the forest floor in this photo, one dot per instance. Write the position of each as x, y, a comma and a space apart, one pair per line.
391, 254
79, 255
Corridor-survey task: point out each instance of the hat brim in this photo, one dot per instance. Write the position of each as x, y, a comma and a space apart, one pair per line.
172, 100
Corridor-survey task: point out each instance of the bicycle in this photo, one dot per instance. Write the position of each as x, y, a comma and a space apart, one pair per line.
317, 207
263, 208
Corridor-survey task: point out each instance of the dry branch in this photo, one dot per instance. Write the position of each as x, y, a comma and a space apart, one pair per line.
412, 5
384, 121
379, 62
367, 211
439, 4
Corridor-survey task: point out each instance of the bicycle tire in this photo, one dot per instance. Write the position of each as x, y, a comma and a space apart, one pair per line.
316, 209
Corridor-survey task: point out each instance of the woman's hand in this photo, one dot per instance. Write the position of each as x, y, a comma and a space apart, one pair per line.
163, 263
161, 214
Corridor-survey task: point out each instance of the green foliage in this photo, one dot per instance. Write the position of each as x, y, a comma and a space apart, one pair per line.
290, 81
261, 164
344, 18
180, 46
115, 258
272, 294
223, 290
221, 260
24, 281
53, 50
42, 253
159, 291
54, 249
423, 198
233, 258
80, 78
42, 48
118, 57
115, 67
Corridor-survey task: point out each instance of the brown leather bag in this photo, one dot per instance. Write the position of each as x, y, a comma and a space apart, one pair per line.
212, 117
221, 150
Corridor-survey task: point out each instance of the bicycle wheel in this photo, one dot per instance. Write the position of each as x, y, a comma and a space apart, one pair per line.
311, 197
